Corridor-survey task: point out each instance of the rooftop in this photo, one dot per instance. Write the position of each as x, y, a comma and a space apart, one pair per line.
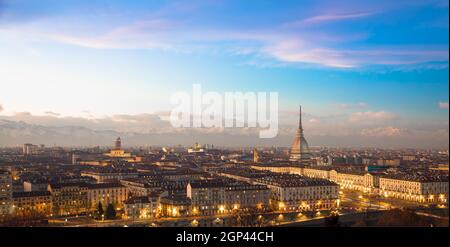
30, 194
138, 199
105, 185
419, 177
293, 180
176, 200
62, 185
4, 172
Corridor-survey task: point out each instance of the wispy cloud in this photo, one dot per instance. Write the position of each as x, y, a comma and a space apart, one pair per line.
327, 18
306, 51
296, 52
389, 131
337, 17
443, 105
371, 117
347, 106
52, 113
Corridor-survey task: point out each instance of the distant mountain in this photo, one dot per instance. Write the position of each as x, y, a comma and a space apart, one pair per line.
17, 133
14, 133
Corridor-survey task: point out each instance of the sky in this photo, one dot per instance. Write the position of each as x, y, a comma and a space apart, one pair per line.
366, 72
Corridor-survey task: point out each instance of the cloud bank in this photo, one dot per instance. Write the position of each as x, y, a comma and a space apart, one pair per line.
368, 129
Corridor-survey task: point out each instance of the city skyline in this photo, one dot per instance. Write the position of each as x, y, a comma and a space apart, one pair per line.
367, 74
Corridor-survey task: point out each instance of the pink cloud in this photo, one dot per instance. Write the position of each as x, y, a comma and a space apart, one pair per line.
370, 117
337, 17
443, 105
382, 131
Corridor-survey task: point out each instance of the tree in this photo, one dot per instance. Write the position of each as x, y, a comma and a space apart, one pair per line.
100, 210
332, 221
110, 212
26, 218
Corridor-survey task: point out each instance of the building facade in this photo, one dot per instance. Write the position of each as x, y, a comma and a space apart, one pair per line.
292, 192
5, 192
360, 181
108, 177
142, 207
223, 197
34, 201
424, 190
106, 193
69, 198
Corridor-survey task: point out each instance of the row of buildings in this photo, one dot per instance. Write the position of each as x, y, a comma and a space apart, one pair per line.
419, 186
60, 198
219, 196
290, 192
148, 197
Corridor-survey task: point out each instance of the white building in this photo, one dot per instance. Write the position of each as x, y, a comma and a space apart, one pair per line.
142, 207
292, 192
431, 189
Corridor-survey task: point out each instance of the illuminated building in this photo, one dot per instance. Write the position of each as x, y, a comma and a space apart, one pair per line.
245, 196
279, 168
142, 207
69, 198
5, 192
431, 188
118, 152
322, 172
212, 197
106, 193
300, 149
175, 206
255, 155
197, 148
292, 192
36, 201
420, 188
206, 196
360, 181
441, 167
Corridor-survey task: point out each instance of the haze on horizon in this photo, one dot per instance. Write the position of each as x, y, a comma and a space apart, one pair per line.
372, 74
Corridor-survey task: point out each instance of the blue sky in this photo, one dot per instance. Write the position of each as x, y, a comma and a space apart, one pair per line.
101, 58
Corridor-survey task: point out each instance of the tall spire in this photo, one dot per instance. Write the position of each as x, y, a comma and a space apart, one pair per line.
300, 120
300, 148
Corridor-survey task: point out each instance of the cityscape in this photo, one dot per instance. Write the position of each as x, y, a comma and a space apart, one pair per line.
209, 186
252, 118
